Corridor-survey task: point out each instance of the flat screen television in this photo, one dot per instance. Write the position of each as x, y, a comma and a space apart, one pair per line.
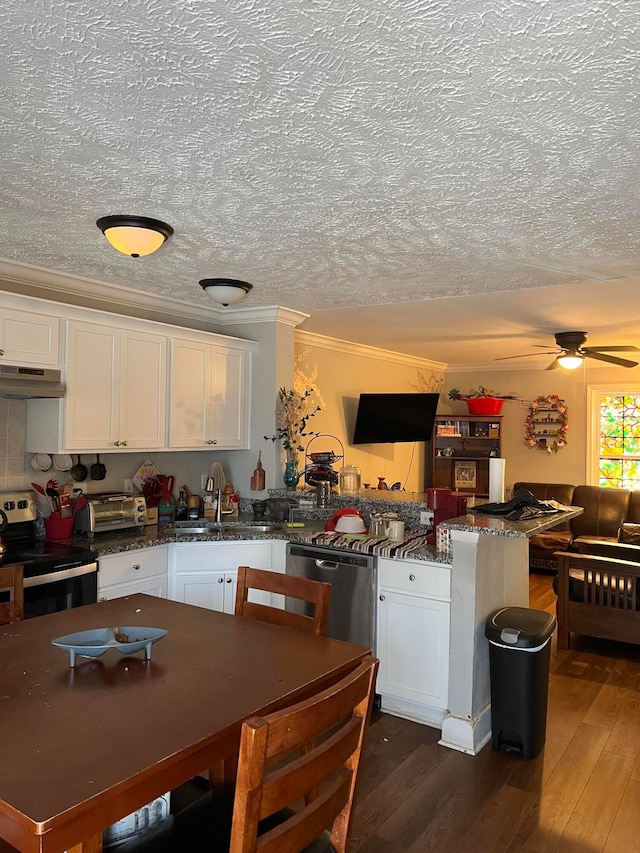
387, 418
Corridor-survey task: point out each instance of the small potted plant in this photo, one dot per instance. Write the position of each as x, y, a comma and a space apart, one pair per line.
482, 401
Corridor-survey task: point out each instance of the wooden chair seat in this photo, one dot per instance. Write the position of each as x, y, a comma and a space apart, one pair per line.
314, 593
297, 772
11, 577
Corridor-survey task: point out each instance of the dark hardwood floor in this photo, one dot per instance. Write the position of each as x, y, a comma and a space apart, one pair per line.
581, 794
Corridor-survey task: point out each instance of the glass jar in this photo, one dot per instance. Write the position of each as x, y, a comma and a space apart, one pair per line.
350, 480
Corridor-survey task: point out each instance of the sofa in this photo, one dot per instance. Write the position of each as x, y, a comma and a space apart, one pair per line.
605, 512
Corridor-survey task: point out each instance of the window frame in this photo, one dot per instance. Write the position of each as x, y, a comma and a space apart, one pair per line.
594, 392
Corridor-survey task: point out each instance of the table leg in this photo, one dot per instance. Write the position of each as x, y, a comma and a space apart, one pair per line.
91, 845
222, 777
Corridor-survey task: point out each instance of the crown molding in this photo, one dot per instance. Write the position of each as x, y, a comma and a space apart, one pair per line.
350, 348
68, 289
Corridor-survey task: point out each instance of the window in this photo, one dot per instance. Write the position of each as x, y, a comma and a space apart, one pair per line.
615, 437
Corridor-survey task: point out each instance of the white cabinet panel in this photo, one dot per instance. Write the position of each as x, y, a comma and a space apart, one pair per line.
29, 338
142, 570
116, 394
208, 396
413, 638
205, 573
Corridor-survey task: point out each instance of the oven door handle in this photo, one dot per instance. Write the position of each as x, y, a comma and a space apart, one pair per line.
61, 575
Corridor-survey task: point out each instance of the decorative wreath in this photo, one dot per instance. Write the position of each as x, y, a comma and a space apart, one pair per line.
556, 436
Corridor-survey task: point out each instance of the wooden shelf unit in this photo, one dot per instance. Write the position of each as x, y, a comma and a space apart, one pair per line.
472, 439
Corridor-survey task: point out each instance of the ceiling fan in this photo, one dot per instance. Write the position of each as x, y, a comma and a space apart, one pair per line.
573, 352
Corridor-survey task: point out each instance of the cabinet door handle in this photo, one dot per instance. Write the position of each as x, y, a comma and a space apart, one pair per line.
123, 443
116, 443
412, 577
229, 580
212, 441
382, 598
1, 352
220, 580
136, 566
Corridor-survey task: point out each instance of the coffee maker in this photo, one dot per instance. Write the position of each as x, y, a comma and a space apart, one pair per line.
445, 504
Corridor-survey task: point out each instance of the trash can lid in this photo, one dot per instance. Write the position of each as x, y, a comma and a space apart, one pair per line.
520, 627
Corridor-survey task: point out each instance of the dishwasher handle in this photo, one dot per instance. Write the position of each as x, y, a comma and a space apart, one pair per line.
326, 564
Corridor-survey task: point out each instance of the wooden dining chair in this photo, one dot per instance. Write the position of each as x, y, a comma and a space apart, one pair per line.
312, 592
303, 801
11, 578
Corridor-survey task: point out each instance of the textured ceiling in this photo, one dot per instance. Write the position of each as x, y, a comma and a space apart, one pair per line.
338, 154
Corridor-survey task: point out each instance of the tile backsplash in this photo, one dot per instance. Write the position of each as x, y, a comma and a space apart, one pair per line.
13, 418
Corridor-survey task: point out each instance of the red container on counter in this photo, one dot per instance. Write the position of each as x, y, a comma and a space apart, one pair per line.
58, 528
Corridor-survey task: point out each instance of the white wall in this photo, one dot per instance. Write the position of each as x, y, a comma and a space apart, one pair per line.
569, 464
346, 370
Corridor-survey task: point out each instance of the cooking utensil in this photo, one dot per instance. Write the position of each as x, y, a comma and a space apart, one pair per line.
62, 462
54, 497
38, 488
41, 462
79, 472
98, 471
53, 484
258, 481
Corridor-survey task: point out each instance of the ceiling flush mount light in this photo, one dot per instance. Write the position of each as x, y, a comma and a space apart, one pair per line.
570, 360
134, 235
225, 291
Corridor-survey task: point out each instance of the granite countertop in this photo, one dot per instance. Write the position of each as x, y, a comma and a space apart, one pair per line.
498, 525
414, 545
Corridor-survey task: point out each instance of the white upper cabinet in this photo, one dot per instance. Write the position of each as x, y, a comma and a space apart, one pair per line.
208, 397
29, 338
116, 393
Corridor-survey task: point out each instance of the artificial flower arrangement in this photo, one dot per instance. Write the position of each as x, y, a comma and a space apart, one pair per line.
483, 401
554, 440
295, 407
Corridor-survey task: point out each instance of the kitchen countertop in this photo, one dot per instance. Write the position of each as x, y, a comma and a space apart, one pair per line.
413, 546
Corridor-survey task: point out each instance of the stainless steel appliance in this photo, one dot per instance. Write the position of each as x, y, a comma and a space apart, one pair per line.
110, 511
353, 581
57, 575
28, 382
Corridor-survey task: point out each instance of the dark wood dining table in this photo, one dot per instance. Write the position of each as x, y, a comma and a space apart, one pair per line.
84, 747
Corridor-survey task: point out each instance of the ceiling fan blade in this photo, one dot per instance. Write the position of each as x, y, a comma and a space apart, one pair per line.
554, 364
611, 349
611, 359
527, 355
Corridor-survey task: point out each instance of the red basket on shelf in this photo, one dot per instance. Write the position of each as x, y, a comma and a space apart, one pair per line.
485, 405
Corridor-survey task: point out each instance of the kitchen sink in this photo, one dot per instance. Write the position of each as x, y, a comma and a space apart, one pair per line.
244, 529
191, 531
231, 530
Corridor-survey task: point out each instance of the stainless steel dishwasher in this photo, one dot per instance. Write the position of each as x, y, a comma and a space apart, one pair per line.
353, 594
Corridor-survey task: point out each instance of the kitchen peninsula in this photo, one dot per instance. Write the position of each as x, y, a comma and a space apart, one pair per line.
434, 670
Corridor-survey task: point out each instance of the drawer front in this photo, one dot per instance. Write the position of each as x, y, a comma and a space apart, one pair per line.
415, 576
132, 565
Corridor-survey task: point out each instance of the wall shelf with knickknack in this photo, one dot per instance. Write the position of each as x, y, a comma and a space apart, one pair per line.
460, 451
547, 423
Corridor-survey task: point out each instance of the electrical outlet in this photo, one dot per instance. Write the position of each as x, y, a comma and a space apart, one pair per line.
128, 487
426, 517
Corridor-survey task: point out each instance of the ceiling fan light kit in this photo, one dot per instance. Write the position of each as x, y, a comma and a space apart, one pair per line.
573, 352
225, 291
135, 236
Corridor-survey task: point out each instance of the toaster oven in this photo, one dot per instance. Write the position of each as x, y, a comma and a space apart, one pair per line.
110, 511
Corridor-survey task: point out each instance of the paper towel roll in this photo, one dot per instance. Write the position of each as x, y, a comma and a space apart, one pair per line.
496, 480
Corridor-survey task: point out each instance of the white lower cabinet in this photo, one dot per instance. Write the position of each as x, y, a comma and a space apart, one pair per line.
413, 638
142, 570
205, 573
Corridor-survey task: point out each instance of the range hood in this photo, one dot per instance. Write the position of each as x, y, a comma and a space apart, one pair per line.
20, 383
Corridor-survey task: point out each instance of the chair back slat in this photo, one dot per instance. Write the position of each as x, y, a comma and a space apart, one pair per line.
337, 718
12, 578
313, 592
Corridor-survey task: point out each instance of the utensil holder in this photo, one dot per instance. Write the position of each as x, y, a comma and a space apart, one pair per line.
58, 528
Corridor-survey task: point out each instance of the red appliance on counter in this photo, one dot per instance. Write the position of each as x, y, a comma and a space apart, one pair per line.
445, 504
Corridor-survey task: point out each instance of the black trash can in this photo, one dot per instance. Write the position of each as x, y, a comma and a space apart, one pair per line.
519, 653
